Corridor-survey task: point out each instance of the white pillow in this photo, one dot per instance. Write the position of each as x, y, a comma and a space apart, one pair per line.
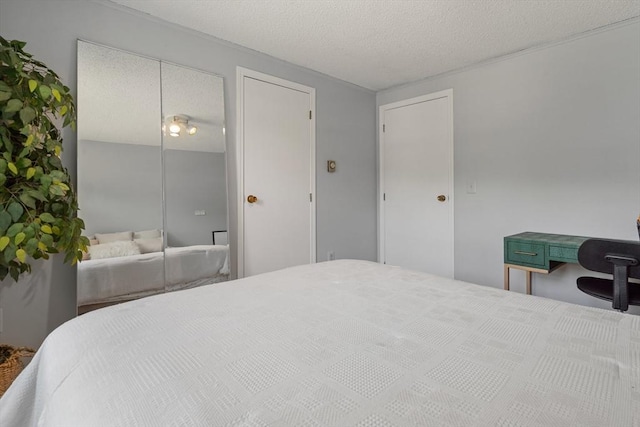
114, 249
149, 245
147, 234
114, 237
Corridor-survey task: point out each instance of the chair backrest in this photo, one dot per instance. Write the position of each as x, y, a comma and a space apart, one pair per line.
592, 253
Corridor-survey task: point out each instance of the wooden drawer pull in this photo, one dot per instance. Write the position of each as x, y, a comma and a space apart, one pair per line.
525, 253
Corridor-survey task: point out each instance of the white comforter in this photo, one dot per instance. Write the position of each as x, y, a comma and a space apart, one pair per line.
114, 279
344, 343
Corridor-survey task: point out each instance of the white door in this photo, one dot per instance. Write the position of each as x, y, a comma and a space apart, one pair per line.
416, 184
277, 186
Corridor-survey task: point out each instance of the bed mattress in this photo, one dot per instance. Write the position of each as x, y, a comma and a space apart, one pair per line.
343, 343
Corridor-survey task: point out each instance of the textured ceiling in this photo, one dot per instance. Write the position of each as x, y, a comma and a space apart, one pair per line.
378, 44
122, 98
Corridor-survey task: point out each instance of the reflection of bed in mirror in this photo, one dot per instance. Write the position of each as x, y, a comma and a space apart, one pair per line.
122, 278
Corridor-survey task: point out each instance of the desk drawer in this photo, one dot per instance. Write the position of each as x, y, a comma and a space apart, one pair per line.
525, 253
563, 253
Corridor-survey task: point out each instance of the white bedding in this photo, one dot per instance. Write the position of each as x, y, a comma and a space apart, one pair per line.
114, 279
344, 343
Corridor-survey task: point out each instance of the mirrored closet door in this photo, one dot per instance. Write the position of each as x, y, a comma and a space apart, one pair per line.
151, 176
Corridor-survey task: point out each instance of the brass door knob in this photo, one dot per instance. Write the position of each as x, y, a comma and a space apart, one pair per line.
252, 198
442, 198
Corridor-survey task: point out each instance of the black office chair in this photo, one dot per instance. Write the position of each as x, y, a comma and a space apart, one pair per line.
618, 257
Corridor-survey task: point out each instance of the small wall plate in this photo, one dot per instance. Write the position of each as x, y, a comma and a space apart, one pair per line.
331, 165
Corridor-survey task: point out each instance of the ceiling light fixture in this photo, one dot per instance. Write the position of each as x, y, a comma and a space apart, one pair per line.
177, 123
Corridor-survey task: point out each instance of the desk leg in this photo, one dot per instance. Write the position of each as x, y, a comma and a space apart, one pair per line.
528, 282
506, 277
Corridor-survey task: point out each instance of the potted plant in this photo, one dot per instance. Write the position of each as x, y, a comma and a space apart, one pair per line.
38, 206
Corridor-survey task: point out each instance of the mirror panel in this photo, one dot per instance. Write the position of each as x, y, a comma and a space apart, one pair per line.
119, 173
194, 177
135, 196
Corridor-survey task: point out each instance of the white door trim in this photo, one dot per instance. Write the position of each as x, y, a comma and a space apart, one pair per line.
448, 93
241, 73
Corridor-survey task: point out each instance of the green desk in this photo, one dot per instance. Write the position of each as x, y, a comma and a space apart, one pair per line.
539, 253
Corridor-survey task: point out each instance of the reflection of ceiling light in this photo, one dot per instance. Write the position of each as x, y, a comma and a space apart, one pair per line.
179, 122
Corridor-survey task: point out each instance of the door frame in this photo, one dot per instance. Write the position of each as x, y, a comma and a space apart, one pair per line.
241, 73
448, 94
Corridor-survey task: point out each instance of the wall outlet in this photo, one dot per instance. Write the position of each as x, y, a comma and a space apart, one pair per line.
331, 256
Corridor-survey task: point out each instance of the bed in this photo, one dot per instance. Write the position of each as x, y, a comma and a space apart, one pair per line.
342, 343
126, 277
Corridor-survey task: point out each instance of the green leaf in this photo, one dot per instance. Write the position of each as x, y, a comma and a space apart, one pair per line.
29, 232
29, 141
32, 85
45, 229
15, 210
31, 246
63, 110
28, 200
13, 105
13, 168
3, 165
3, 179
37, 195
56, 94
23, 163
9, 253
27, 114
19, 238
56, 190
21, 255
4, 96
45, 92
15, 229
47, 217
5, 220
4, 241
47, 239
14, 273
31, 172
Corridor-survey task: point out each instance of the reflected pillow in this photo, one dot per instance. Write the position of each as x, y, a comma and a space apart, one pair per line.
147, 234
149, 245
114, 237
114, 250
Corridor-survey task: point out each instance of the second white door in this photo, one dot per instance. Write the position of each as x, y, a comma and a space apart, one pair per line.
277, 212
416, 184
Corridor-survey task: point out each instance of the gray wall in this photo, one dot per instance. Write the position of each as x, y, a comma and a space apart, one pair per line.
552, 137
346, 209
194, 181
119, 186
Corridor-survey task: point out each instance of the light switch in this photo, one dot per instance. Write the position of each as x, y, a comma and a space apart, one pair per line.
471, 187
200, 212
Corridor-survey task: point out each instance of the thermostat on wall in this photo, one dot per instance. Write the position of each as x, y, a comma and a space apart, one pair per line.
331, 165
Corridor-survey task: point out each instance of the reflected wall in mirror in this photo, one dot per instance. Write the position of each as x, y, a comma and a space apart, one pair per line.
150, 200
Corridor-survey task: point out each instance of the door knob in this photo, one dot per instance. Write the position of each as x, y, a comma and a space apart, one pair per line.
252, 198
442, 198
